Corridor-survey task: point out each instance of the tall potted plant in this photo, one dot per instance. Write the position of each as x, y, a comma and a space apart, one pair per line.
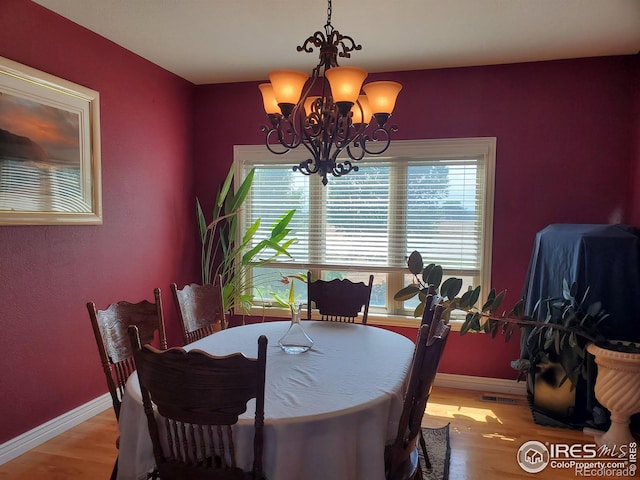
571, 328
222, 253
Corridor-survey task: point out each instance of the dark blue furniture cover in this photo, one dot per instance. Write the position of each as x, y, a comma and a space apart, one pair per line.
606, 258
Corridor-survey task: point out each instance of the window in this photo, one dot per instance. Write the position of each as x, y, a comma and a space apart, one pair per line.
434, 196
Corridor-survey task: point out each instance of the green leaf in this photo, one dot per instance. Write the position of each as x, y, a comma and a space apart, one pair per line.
282, 223
426, 272
419, 310
465, 299
277, 248
279, 300
414, 262
517, 310
508, 333
406, 293
451, 287
475, 322
434, 277
495, 327
292, 295
497, 301
202, 223
548, 343
243, 190
251, 231
251, 253
574, 290
224, 189
466, 326
594, 309
490, 298
475, 295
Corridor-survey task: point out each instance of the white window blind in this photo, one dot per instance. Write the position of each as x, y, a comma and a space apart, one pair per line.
434, 196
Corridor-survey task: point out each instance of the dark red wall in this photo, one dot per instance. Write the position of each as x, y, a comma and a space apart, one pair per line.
565, 150
49, 362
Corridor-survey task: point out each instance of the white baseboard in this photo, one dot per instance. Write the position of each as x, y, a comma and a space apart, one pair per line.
31, 439
483, 384
37, 436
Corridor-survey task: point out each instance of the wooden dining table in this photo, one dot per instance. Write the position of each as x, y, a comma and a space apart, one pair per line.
329, 412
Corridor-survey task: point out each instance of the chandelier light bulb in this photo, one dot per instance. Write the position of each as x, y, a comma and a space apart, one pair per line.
346, 83
382, 96
268, 99
287, 87
361, 111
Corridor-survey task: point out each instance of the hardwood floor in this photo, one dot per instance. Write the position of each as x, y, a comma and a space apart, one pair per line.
87, 451
485, 437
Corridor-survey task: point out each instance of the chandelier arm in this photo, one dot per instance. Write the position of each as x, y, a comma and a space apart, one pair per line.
343, 168
354, 151
273, 132
288, 135
380, 137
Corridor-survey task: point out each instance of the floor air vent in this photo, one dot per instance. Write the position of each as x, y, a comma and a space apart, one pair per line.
499, 399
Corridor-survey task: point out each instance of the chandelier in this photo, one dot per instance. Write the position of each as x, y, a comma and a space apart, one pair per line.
325, 112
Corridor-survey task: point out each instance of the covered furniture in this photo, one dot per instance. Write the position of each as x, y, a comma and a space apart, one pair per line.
200, 309
110, 330
322, 420
339, 300
605, 259
198, 397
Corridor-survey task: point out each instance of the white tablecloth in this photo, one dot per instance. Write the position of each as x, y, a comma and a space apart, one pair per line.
328, 412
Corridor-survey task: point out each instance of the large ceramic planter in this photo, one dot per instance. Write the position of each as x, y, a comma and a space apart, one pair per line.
618, 389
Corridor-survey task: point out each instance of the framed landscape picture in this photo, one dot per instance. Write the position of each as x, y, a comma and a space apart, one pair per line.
49, 149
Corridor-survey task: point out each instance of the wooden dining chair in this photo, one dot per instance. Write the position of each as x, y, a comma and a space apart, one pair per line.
339, 300
198, 398
110, 331
200, 309
401, 457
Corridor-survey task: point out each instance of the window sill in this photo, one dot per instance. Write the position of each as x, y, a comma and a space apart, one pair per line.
374, 318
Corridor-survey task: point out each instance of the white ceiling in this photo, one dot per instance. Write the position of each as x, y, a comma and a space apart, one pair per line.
218, 41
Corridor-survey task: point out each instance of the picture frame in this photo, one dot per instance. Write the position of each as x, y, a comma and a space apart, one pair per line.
50, 170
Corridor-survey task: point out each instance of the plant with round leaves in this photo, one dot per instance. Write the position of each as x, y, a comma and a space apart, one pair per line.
570, 324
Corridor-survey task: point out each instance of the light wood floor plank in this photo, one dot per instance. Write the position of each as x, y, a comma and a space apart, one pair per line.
485, 437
